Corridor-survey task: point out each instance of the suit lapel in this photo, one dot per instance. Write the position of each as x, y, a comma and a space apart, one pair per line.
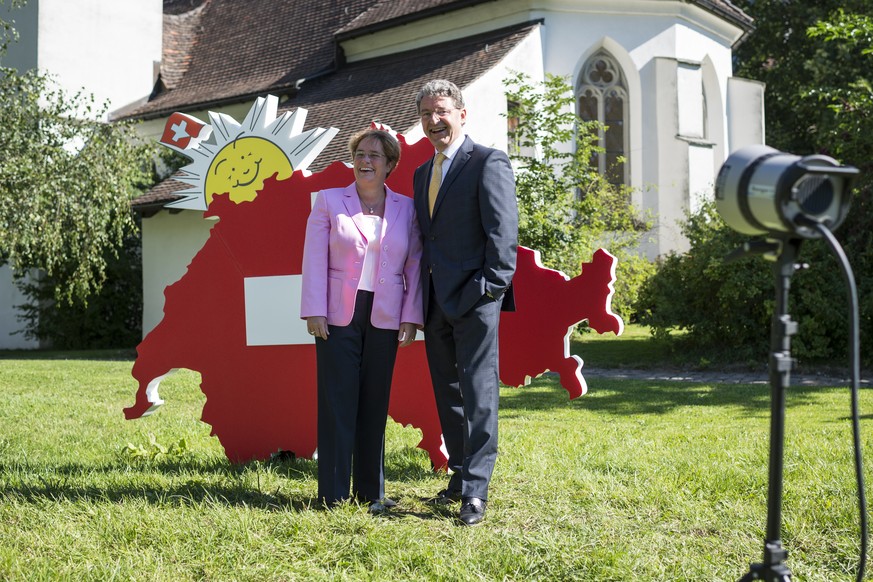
392, 211
353, 207
420, 194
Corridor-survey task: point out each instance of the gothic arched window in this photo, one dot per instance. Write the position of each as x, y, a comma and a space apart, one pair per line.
602, 96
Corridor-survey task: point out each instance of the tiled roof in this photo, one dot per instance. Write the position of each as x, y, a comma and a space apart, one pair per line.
380, 89
240, 48
158, 195
180, 34
389, 13
727, 10
384, 89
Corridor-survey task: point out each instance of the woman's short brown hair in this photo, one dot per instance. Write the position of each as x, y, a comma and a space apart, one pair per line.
390, 145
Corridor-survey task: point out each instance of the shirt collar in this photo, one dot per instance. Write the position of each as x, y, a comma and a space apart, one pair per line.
453, 148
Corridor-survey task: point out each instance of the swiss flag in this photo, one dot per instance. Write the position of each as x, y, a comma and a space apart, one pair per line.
180, 130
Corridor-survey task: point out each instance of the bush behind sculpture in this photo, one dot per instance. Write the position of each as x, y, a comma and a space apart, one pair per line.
726, 308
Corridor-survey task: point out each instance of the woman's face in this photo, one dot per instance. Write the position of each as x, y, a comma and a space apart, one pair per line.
370, 164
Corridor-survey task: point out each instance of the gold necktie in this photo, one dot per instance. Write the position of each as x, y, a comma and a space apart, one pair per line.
436, 178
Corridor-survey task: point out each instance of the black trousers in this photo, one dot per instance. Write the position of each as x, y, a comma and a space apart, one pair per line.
462, 353
355, 366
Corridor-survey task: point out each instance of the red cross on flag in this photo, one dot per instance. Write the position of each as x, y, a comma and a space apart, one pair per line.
181, 129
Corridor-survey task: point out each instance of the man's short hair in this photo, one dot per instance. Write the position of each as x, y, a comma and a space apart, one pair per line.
440, 88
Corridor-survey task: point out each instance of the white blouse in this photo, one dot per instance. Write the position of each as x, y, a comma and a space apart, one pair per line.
373, 233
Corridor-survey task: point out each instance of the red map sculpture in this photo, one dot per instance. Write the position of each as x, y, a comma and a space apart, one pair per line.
261, 392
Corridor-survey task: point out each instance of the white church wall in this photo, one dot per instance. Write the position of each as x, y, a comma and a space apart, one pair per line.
745, 113
485, 98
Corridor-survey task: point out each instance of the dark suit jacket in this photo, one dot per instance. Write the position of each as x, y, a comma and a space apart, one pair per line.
470, 242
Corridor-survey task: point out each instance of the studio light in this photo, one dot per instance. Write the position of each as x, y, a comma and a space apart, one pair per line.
785, 198
760, 190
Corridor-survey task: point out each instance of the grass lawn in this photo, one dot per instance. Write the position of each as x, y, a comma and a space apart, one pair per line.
634, 348
633, 481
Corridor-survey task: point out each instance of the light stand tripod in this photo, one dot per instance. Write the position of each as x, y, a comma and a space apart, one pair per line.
772, 568
762, 191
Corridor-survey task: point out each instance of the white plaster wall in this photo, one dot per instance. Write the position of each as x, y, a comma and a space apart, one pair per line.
745, 113
10, 296
666, 160
486, 114
701, 177
107, 47
169, 242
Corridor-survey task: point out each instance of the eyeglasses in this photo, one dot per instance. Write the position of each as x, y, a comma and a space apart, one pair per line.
439, 113
374, 157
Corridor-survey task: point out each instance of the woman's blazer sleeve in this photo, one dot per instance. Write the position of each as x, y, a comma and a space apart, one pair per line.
316, 249
412, 310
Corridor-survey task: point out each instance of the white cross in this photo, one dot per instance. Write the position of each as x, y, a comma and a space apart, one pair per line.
179, 130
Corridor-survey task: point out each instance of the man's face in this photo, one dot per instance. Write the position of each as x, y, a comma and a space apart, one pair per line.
441, 121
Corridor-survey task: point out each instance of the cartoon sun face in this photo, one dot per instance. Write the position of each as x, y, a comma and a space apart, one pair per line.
240, 168
235, 158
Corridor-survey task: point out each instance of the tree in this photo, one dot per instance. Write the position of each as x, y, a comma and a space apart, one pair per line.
110, 318
66, 179
567, 210
796, 66
847, 126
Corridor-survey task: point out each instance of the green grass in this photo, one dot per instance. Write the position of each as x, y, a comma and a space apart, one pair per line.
634, 348
633, 481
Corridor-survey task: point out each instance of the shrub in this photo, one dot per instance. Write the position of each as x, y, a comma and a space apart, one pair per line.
726, 308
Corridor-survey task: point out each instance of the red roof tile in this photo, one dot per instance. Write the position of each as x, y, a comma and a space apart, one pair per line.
241, 48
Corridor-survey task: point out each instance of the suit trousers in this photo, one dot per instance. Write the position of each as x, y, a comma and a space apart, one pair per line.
462, 353
355, 365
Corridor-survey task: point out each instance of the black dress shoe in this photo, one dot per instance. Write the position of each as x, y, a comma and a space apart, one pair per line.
472, 511
381, 505
445, 497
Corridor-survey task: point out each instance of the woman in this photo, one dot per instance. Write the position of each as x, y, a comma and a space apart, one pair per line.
361, 297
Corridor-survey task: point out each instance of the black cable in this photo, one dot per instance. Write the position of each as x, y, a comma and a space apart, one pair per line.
854, 362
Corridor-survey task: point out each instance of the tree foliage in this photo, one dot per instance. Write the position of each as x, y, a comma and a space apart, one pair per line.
567, 209
699, 291
66, 179
109, 318
802, 71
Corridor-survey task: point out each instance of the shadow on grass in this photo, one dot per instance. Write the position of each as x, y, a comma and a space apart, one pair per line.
630, 397
195, 483
120, 354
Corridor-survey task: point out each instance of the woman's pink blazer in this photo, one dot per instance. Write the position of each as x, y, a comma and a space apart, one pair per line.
333, 258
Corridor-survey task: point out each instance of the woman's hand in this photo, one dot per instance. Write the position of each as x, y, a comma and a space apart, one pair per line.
406, 335
317, 326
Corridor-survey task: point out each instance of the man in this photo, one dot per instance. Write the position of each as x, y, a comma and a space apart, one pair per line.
467, 210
